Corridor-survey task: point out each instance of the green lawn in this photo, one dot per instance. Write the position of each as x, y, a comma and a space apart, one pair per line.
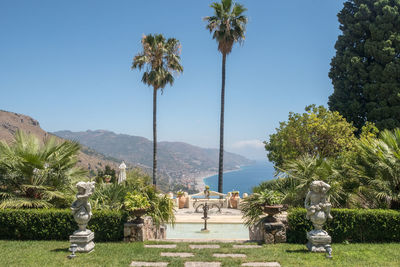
54, 253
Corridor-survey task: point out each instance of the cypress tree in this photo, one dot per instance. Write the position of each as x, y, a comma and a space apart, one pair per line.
365, 71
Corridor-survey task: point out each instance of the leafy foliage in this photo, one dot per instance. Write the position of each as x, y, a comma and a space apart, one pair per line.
353, 225
35, 175
138, 191
107, 172
318, 132
135, 201
366, 66
252, 206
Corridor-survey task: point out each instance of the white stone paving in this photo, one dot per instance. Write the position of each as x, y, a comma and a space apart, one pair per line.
202, 264
203, 246
246, 246
224, 255
142, 263
268, 264
160, 246
177, 254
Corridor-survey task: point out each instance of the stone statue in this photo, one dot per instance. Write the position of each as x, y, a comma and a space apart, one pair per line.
318, 211
82, 212
122, 172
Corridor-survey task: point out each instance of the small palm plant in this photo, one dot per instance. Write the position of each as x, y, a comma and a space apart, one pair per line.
378, 167
35, 175
253, 206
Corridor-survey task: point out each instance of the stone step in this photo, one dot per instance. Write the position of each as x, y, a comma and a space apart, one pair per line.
246, 246
142, 263
202, 264
176, 254
224, 255
268, 264
160, 246
203, 246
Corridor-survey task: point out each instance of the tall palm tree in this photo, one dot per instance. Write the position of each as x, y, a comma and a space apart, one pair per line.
228, 26
160, 58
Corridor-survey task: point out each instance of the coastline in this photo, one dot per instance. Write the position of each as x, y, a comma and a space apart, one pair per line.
199, 179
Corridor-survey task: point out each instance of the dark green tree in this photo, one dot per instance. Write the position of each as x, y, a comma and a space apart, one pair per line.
365, 71
228, 26
160, 58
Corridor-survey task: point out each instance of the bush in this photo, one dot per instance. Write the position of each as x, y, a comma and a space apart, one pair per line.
52, 224
353, 225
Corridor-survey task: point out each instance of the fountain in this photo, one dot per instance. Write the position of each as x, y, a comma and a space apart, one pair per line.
205, 218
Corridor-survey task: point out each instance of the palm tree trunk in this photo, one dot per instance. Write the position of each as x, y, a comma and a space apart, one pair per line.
155, 137
221, 129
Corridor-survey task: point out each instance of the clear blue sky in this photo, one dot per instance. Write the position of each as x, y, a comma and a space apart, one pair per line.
67, 64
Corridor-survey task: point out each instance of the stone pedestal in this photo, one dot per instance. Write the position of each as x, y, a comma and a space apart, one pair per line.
84, 241
139, 232
318, 240
275, 232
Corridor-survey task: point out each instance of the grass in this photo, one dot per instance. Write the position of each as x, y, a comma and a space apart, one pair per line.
54, 253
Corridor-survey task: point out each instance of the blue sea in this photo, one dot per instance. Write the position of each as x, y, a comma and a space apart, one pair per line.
244, 179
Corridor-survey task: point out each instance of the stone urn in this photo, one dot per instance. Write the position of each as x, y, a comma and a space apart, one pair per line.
273, 210
234, 199
138, 213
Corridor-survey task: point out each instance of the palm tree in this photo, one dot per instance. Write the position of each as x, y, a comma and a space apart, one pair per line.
33, 175
228, 26
378, 168
161, 59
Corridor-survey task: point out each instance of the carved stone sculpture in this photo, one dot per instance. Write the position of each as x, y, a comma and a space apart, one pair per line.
318, 211
82, 212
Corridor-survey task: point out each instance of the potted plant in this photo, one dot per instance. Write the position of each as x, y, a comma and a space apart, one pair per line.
181, 199
256, 205
107, 178
207, 191
137, 206
234, 199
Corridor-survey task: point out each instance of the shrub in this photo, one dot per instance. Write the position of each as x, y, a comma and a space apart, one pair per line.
353, 225
52, 224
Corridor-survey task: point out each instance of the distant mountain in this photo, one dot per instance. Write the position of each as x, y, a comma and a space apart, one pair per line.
11, 122
175, 159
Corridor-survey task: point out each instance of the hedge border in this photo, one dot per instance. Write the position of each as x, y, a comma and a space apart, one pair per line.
352, 225
55, 224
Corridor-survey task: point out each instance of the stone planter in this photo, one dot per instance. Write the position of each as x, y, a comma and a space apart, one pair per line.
147, 230
138, 215
272, 211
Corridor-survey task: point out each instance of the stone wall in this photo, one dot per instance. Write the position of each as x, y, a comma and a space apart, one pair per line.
270, 233
138, 232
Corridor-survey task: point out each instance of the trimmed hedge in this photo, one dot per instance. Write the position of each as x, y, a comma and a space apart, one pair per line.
55, 224
353, 225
